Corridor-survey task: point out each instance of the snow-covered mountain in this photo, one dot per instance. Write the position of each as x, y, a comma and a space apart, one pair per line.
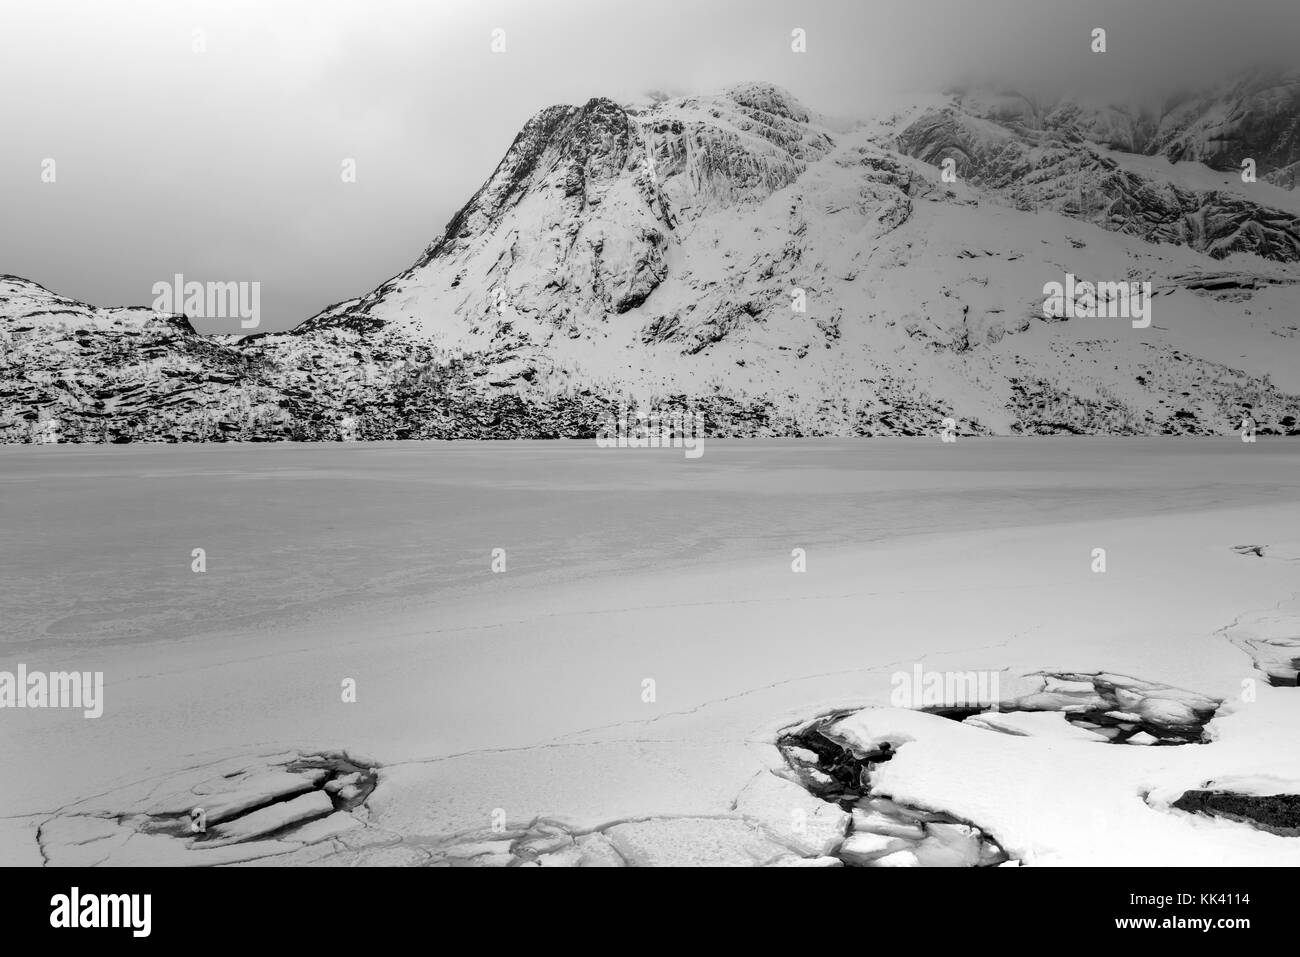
788, 273
70, 372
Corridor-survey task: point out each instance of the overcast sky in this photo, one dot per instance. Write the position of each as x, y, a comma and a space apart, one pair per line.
225, 164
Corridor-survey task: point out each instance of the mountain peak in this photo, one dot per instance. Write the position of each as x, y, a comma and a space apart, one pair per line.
579, 216
769, 98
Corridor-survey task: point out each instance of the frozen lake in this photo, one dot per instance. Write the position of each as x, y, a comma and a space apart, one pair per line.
96, 542
523, 693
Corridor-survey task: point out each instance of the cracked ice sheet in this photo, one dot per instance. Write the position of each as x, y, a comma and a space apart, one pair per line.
736, 650
1270, 638
583, 787
18, 846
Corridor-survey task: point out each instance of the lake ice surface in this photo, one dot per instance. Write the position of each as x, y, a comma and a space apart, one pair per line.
96, 541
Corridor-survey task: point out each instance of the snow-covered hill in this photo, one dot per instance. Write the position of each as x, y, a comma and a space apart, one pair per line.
790, 274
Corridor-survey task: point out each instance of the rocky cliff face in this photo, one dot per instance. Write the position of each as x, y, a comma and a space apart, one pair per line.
1258, 117
1050, 161
741, 255
70, 371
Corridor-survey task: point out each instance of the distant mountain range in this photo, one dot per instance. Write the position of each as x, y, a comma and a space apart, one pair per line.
782, 272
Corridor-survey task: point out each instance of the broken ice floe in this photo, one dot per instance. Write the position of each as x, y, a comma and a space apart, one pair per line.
836, 759
1120, 708
228, 812
1092, 706
882, 832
